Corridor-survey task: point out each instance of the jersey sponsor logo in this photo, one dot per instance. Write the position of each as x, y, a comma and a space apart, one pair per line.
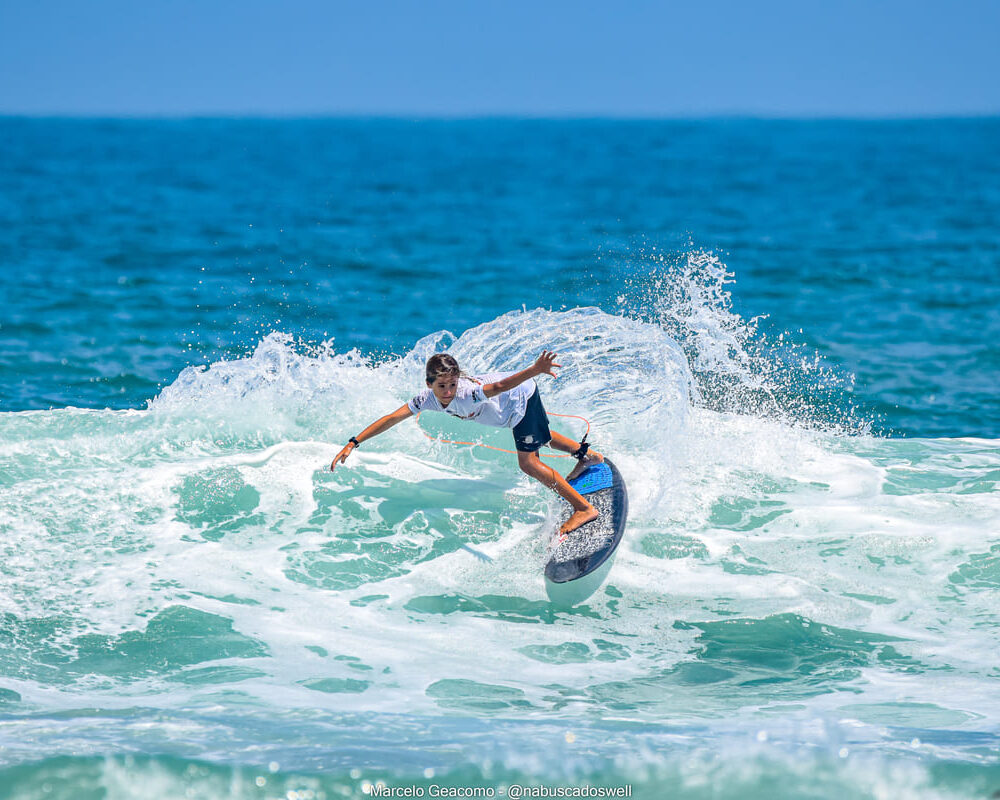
417, 402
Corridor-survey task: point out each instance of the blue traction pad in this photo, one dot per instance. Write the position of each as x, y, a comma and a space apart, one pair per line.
593, 479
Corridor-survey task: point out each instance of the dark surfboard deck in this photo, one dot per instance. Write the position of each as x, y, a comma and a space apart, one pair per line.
590, 546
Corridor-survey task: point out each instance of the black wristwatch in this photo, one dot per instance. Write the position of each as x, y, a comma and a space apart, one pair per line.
354, 441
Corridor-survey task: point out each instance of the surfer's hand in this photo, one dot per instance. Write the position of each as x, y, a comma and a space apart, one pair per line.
342, 455
546, 361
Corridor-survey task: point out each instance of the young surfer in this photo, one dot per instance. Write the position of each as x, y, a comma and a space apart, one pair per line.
503, 400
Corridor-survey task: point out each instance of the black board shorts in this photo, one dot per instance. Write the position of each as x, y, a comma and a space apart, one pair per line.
533, 431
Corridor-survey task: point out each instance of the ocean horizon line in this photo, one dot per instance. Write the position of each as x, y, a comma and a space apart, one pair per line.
405, 116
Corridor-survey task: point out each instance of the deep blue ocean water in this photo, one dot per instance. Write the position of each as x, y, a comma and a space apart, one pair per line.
786, 332
130, 249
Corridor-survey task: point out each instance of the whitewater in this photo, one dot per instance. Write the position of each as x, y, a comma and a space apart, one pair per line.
192, 603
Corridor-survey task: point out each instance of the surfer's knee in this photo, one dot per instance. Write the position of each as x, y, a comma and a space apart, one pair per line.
529, 463
532, 465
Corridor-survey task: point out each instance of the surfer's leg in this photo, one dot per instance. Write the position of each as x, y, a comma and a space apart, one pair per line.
567, 445
583, 512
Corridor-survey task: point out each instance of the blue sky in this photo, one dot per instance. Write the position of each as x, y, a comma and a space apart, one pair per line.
470, 57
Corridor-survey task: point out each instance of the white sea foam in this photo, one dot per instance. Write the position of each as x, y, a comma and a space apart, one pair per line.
409, 580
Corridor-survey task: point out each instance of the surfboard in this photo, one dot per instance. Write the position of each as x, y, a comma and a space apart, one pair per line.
587, 552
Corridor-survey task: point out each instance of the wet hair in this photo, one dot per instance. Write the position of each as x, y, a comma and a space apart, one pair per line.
442, 364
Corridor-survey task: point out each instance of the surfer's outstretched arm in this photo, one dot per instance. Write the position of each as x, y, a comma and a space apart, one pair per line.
378, 426
542, 366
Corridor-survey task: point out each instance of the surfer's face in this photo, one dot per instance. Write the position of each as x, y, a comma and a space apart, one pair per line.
444, 388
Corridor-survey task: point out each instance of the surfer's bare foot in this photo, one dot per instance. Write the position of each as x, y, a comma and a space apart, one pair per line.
577, 519
592, 457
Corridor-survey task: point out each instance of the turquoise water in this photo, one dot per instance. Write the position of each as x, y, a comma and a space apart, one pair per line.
784, 333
